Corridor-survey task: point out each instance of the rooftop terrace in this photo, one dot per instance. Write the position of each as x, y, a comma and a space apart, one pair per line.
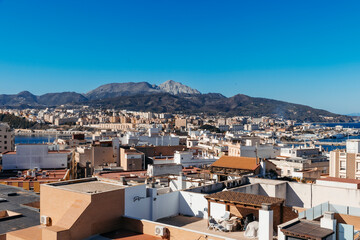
15, 202
89, 186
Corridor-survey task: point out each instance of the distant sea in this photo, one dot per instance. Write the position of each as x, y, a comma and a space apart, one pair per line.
345, 125
33, 139
46, 139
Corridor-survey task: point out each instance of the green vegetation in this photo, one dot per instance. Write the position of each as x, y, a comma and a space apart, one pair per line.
20, 122
210, 128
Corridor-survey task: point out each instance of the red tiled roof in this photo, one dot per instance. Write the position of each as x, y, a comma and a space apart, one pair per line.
50, 152
245, 163
9, 153
51, 175
343, 180
243, 198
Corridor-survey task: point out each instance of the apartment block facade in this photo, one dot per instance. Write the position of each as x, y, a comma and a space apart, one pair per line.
346, 163
7, 138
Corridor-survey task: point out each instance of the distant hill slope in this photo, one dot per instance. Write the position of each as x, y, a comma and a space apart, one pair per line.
122, 89
56, 99
172, 97
18, 99
217, 104
27, 99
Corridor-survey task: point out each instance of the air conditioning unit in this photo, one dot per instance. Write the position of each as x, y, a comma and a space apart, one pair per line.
45, 220
160, 231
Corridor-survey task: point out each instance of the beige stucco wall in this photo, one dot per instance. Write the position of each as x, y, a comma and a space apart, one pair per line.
82, 214
350, 165
102, 155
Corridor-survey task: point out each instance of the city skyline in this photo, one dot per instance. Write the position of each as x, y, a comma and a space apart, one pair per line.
303, 53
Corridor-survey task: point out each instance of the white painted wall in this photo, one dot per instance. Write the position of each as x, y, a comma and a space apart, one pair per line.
217, 210
337, 196
163, 169
250, 188
192, 184
193, 204
34, 156
138, 209
166, 205
305, 195
160, 141
294, 193
299, 195
336, 184
174, 185
266, 224
353, 146
267, 190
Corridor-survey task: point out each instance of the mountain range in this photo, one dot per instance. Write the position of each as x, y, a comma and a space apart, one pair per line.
172, 97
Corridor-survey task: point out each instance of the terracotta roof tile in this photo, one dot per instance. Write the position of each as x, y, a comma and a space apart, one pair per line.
245, 163
243, 198
343, 180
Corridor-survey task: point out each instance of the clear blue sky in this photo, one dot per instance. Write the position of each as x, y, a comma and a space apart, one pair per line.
305, 52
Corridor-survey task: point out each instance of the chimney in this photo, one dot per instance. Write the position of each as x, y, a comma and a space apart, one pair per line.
123, 181
266, 222
181, 181
328, 221
88, 170
262, 167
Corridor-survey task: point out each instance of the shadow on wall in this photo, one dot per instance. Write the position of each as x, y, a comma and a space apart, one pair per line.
201, 214
262, 191
292, 198
193, 204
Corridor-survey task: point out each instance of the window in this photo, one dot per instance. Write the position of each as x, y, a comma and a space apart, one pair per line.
358, 166
342, 165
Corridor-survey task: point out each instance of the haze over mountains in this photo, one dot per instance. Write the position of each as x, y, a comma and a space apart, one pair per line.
172, 97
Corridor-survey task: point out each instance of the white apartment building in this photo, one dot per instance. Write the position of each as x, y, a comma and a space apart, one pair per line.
252, 148
30, 156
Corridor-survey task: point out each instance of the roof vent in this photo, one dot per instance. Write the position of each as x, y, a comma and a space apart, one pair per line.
161, 231
329, 215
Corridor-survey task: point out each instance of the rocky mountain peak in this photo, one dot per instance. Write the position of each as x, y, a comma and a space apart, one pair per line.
176, 88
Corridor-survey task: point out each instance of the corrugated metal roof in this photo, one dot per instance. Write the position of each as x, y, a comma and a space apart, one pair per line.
304, 229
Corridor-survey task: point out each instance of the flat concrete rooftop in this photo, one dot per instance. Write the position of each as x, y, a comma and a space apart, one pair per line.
90, 186
200, 225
